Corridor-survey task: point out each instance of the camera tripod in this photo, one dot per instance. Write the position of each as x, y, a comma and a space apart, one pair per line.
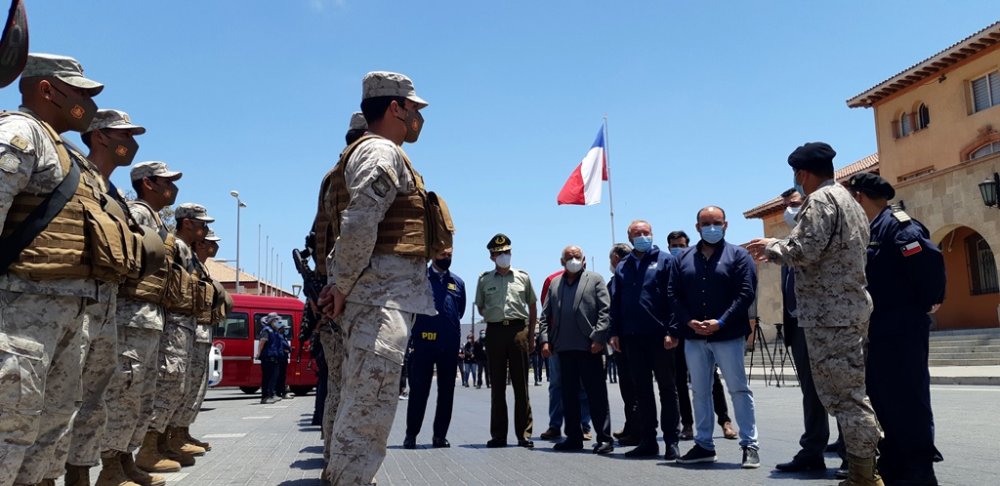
775, 356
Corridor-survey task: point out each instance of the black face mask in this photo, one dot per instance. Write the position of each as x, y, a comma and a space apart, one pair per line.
122, 151
79, 110
443, 263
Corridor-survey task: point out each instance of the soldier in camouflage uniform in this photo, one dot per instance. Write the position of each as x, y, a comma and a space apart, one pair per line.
140, 324
41, 328
112, 144
198, 370
827, 250
177, 340
376, 287
330, 337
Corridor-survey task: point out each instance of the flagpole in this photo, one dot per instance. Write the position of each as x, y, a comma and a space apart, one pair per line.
607, 161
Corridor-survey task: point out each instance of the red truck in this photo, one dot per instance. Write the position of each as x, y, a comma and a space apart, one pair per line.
237, 338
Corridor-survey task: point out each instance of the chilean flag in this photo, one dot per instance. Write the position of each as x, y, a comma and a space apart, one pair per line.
584, 185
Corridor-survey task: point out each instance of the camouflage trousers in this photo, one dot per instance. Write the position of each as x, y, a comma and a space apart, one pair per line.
369, 392
100, 361
172, 363
836, 357
333, 352
40, 354
195, 386
130, 395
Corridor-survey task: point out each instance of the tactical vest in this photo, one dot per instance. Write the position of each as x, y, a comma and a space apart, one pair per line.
179, 291
88, 238
204, 295
223, 303
152, 287
416, 225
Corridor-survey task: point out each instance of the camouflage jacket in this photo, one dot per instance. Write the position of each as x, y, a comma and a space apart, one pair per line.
827, 250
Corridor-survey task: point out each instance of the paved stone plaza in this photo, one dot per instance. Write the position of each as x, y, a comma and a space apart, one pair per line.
257, 444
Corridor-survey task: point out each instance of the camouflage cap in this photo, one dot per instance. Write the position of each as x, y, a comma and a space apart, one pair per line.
210, 236
63, 68
119, 120
384, 83
153, 169
500, 242
193, 211
358, 121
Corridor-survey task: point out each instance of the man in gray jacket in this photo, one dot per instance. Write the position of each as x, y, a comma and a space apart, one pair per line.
574, 324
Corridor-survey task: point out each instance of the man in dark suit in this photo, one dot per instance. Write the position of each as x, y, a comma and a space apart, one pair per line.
574, 324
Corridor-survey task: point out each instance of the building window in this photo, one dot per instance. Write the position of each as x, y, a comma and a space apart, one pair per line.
924, 116
982, 266
985, 91
905, 124
990, 148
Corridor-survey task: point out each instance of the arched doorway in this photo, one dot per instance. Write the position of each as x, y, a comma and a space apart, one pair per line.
973, 290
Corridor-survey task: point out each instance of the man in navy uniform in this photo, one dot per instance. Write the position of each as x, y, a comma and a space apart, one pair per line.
906, 279
434, 340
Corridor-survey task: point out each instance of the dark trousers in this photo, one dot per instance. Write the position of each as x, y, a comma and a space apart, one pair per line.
815, 419
649, 360
627, 388
268, 377
577, 366
612, 369
507, 346
482, 367
420, 372
898, 383
684, 392
321, 376
280, 375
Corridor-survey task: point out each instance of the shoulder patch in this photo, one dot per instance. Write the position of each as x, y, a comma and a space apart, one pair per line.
901, 216
19, 143
381, 185
9, 163
911, 249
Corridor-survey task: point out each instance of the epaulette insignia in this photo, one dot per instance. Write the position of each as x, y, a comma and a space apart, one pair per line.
901, 215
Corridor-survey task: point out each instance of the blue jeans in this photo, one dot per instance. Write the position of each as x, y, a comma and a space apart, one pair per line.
468, 369
555, 399
702, 356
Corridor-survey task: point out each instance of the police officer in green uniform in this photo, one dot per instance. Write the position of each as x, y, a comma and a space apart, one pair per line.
906, 279
507, 301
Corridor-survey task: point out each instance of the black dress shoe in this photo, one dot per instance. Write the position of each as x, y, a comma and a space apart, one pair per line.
525, 443
801, 464
604, 448
648, 449
569, 445
495, 443
440, 442
410, 442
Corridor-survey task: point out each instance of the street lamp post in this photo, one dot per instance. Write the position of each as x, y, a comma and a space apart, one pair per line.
239, 205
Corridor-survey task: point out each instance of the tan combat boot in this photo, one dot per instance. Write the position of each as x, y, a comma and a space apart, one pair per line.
151, 459
862, 472
112, 473
186, 433
166, 446
138, 475
77, 475
177, 441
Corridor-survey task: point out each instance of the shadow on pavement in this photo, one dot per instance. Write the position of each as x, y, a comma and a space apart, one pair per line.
311, 463
303, 482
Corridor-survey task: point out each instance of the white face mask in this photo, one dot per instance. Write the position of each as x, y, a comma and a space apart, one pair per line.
503, 260
790, 214
574, 265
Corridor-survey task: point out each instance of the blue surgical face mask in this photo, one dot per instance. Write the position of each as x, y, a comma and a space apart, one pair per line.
676, 250
642, 244
712, 233
790, 214
798, 187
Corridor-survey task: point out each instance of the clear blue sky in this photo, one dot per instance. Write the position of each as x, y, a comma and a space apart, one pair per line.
705, 100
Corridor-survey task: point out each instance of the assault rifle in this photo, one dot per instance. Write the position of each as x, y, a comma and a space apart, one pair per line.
312, 285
